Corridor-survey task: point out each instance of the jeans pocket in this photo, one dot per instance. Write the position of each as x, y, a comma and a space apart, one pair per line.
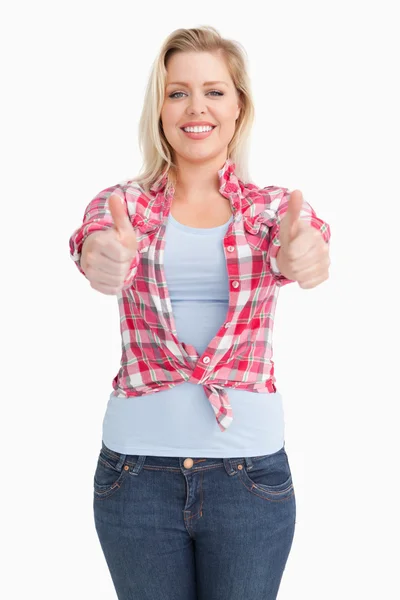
269, 476
109, 475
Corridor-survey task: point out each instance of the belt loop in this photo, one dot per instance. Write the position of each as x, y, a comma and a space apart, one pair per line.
229, 466
121, 462
139, 465
249, 462
122, 457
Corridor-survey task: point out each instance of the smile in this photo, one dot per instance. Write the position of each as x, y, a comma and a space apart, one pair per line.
198, 135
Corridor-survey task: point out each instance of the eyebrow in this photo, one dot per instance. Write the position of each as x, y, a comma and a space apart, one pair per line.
205, 83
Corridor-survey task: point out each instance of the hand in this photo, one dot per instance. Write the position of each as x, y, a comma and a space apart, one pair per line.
304, 252
108, 254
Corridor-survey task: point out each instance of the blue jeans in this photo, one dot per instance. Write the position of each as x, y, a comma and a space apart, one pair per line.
194, 529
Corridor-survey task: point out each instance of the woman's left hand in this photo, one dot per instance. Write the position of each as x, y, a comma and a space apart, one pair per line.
304, 254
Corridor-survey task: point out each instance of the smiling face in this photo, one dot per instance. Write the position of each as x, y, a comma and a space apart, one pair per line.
193, 100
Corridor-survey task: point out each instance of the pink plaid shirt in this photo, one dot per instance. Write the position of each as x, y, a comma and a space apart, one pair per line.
240, 354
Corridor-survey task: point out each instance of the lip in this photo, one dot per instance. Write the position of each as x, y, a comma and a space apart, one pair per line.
198, 136
198, 124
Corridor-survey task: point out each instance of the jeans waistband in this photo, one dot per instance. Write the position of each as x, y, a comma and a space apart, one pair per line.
181, 464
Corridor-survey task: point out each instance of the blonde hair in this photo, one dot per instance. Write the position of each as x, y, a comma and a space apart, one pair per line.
156, 151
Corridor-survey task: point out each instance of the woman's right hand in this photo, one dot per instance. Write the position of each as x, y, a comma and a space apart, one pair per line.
107, 255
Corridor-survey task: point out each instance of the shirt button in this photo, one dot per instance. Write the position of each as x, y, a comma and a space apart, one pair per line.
206, 359
230, 248
188, 463
235, 284
227, 324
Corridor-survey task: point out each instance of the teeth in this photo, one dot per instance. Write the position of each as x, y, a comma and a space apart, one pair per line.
197, 129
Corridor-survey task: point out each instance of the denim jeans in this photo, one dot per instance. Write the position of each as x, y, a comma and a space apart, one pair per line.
194, 528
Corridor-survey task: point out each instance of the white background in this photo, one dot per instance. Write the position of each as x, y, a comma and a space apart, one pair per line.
324, 79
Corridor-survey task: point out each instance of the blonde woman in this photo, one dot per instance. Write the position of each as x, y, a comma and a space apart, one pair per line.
193, 493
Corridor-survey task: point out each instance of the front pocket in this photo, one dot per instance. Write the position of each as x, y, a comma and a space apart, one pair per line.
270, 477
107, 478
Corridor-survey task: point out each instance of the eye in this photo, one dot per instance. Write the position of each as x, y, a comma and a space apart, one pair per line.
212, 92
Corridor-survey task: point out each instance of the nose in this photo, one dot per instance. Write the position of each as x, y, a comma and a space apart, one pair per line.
196, 104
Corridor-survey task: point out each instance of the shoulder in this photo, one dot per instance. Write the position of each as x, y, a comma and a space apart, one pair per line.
132, 189
135, 196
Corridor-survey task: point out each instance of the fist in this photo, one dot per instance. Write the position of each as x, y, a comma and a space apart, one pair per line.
304, 254
107, 255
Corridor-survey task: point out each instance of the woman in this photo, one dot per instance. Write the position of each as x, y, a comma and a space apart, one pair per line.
193, 493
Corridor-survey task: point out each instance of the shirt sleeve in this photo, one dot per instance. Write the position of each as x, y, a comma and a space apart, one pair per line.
97, 217
307, 214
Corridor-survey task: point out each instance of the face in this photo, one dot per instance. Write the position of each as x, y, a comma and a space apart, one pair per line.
191, 100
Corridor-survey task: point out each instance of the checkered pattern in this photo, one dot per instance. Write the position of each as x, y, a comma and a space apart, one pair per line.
240, 354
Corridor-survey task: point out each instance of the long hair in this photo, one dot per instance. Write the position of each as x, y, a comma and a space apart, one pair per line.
156, 151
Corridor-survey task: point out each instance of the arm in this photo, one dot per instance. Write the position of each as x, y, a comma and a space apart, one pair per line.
277, 261
97, 218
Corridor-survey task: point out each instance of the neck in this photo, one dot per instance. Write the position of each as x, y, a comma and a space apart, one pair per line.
197, 181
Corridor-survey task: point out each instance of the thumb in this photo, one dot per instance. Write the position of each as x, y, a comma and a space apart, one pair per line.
122, 223
290, 222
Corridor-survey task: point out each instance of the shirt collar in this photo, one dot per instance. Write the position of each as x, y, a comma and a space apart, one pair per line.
228, 184
227, 179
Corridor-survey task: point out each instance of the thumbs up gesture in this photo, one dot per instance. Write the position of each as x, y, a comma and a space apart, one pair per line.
122, 225
304, 254
107, 255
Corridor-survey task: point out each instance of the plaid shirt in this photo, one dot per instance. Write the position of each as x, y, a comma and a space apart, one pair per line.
240, 354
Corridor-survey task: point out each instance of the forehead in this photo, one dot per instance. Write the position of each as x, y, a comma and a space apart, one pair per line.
196, 68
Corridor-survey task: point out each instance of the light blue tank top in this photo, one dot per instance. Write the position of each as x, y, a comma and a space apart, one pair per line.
182, 420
